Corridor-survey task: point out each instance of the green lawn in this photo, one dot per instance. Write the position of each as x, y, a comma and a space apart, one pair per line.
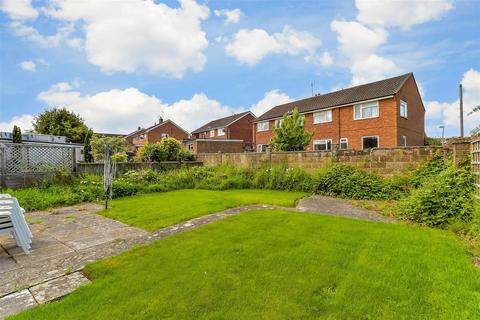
281, 265
157, 210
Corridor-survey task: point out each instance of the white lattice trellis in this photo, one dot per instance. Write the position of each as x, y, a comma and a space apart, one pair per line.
26, 158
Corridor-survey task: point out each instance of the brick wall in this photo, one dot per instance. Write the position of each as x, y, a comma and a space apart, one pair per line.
169, 128
384, 161
214, 146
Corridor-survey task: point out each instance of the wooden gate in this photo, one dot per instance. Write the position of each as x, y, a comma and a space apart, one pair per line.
476, 165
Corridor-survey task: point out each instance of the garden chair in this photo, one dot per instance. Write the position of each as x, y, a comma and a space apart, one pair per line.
12, 222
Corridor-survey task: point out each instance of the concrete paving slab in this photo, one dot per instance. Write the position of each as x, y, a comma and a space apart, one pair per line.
16, 302
58, 288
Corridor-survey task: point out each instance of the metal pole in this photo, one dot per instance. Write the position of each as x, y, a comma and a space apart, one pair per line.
461, 111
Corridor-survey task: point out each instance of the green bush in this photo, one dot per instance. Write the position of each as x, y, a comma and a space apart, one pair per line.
120, 157
348, 182
123, 188
184, 155
428, 169
442, 198
284, 178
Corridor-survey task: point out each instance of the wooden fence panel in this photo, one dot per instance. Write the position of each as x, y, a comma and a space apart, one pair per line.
476, 165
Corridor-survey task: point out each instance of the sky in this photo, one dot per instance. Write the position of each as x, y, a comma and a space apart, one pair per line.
121, 64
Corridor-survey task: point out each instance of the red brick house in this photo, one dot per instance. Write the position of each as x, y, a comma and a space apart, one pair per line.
155, 133
386, 113
229, 134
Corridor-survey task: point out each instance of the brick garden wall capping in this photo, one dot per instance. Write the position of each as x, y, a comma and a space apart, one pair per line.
384, 161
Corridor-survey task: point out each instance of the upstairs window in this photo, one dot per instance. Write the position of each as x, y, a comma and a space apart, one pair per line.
343, 143
322, 116
212, 133
221, 131
262, 126
366, 110
322, 145
403, 109
164, 135
278, 123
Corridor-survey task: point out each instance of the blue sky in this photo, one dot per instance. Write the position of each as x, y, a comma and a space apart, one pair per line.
122, 64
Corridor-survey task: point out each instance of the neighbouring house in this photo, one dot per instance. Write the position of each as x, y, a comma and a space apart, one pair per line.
47, 140
155, 133
229, 134
386, 113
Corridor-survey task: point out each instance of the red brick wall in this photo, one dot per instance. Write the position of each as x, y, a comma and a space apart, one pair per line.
216, 146
169, 128
414, 126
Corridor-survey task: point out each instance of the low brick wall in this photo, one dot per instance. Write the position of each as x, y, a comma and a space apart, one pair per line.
97, 168
384, 161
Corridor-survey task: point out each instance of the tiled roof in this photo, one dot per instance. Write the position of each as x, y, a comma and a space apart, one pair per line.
220, 123
347, 96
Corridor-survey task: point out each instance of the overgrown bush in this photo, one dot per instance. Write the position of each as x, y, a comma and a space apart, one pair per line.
348, 182
443, 197
167, 149
120, 157
284, 178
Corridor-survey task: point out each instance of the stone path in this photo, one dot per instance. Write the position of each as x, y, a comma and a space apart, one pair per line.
66, 239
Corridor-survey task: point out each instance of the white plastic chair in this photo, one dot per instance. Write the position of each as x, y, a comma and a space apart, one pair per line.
12, 221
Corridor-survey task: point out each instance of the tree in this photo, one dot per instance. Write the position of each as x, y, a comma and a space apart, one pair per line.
168, 149
98, 143
290, 135
61, 122
16, 135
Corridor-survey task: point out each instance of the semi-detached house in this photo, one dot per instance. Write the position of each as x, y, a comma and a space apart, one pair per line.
386, 113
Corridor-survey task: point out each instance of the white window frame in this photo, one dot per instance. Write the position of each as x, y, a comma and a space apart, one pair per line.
343, 140
212, 133
221, 131
322, 141
328, 116
262, 126
260, 147
278, 123
364, 106
164, 135
378, 140
404, 141
403, 103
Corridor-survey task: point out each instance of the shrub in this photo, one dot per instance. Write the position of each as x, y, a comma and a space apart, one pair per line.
123, 188
443, 197
284, 178
429, 168
171, 148
184, 155
151, 152
120, 157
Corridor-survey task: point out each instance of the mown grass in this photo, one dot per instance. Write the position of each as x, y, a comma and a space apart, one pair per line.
157, 210
268, 264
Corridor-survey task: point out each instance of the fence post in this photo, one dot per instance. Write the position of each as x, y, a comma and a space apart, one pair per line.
74, 160
476, 165
3, 167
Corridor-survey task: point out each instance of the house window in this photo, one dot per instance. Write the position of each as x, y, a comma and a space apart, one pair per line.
190, 146
343, 143
212, 133
369, 142
404, 141
403, 109
164, 135
322, 116
221, 131
322, 145
366, 110
262, 147
278, 123
262, 126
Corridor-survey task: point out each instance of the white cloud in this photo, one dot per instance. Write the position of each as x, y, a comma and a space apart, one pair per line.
19, 9
325, 59
138, 34
405, 13
231, 16
22, 30
250, 46
23, 121
358, 43
448, 112
270, 99
122, 111
28, 65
